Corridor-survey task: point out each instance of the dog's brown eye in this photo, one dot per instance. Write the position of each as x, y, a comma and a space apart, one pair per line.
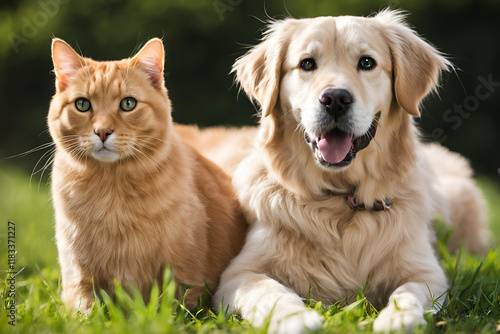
366, 63
308, 64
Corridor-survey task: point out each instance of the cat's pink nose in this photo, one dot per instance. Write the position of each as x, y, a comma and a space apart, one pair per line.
103, 134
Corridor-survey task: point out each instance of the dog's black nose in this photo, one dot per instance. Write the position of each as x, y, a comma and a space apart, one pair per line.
335, 100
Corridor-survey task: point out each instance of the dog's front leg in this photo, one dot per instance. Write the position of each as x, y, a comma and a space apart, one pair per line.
406, 308
246, 289
259, 298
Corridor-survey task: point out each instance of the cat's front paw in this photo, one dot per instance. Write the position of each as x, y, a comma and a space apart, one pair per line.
298, 323
78, 303
84, 306
397, 320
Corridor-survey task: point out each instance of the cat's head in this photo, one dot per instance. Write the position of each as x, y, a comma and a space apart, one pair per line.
109, 111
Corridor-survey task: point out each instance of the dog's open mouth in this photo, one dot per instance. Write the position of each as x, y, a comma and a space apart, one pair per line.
337, 148
334, 146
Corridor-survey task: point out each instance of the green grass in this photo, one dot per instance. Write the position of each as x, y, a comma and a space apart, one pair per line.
473, 301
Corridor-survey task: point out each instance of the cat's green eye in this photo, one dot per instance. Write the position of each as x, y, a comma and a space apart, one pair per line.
82, 104
128, 104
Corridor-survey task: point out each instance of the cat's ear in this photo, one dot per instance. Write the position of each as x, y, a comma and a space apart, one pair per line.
66, 63
151, 59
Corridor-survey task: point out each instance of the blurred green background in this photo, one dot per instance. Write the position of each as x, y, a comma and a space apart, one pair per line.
204, 37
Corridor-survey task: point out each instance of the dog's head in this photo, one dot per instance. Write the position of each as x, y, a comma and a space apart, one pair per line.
338, 77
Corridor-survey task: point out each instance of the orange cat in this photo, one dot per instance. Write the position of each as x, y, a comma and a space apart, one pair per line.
130, 198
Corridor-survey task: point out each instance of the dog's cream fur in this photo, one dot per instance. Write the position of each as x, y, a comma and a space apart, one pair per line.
225, 146
305, 240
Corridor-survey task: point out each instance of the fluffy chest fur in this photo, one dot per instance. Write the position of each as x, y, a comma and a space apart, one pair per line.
326, 249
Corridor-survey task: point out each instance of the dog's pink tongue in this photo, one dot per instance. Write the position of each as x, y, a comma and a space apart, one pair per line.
334, 146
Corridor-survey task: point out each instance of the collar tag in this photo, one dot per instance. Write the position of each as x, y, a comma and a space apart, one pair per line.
386, 204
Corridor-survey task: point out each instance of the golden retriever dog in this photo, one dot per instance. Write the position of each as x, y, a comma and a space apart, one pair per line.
339, 191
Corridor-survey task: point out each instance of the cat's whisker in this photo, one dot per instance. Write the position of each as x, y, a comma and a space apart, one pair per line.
47, 154
75, 153
158, 139
52, 158
34, 170
69, 140
72, 149
146, 146
80, 155
149, 159
145, 167
47, 164
140, 138
67, 136
166, 161
36, 149
149, 141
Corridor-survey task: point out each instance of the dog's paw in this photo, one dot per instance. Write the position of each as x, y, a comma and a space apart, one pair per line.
392, 319
298, 323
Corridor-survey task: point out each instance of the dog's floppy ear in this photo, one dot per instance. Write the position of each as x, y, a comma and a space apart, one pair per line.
259, 70
417, 65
